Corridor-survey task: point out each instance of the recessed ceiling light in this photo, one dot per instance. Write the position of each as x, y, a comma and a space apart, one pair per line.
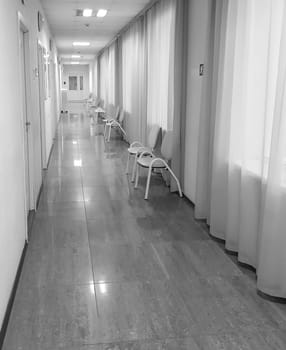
87, 12
101, 13
75, 56
81, 43
74, 63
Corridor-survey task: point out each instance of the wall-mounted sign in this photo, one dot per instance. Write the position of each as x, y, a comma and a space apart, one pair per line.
40, 21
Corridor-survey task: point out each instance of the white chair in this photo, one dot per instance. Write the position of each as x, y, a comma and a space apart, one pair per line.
136, 148
116, 124
89, 103
150, 161
109, 119
94, 109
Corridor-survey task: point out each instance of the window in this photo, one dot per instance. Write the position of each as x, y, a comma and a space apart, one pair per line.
73, 83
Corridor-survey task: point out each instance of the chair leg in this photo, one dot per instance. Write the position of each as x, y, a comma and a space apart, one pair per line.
177, 181
137, 175
134, 169
148, 182
127, 165
122, 130
109, 134
104, 132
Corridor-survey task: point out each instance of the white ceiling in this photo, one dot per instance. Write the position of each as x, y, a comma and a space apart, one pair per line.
67, 28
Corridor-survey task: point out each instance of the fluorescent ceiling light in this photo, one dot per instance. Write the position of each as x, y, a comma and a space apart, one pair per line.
77, 163
74, 63
92, 289
81, 43
101, 13
103, 288
87, 12
75, 56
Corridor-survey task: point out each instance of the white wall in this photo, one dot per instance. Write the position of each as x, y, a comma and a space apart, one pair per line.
199, 21
12, 189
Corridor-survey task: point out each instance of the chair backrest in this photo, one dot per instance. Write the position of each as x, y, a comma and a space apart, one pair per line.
167, 145
110, 110
121, 116
97, 101
153, 136
101, 103
117, 113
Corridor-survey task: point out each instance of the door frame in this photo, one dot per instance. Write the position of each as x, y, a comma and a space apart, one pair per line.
41, 90
77, 71
24, 28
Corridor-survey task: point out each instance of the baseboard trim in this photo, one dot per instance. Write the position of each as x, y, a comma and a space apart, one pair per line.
39, 196
31, 218
12, 297
7, 315
50, 154
271, 298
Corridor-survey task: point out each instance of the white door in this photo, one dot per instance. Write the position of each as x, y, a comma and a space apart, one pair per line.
76, 87
26, 122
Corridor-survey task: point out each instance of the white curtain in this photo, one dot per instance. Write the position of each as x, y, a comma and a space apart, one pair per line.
111, 79
160, 60
103, 77
134, 81
246, 196
95, 78
272, 257
148, 52
107, 78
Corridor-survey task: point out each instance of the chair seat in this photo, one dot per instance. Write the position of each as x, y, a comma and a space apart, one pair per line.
99, 109
113, 123
135, 149
146, 161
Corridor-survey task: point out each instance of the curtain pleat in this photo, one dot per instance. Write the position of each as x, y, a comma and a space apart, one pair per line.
134, 81
271, 272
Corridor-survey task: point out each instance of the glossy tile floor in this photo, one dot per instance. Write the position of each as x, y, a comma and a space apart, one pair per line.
106, 270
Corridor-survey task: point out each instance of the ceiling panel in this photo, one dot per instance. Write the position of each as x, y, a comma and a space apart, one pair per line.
66, 27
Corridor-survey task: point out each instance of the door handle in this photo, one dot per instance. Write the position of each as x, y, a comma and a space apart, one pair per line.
27, 124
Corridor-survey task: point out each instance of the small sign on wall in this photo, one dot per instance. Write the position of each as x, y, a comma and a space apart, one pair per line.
202, 68
40, 21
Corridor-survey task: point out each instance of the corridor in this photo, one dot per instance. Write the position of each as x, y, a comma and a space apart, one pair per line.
107, 270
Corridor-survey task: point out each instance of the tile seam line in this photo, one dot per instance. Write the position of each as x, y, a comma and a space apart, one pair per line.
187, 337
89, 245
